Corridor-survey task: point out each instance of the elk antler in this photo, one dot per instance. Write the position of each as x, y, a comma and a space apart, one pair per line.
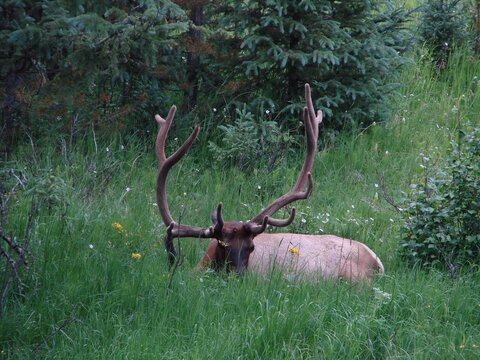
298, 192
164, 165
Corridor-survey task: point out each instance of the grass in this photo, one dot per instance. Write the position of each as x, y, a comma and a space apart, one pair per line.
83, 270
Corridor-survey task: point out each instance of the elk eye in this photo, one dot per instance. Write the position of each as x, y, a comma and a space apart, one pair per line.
251, 248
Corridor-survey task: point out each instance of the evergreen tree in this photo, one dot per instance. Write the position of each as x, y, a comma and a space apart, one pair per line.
442, 25
348, 51
74, 44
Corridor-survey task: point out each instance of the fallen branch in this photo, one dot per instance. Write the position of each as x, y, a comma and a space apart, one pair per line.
15, 254
386, 195
67, 322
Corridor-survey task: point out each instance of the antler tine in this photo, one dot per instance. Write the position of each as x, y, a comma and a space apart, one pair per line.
256, 228
162, 133
164, 165
283, 222
298, 192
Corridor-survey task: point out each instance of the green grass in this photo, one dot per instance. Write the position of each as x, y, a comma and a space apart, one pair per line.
122, 307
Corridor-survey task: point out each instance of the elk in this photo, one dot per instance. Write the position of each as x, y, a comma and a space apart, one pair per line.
237, 245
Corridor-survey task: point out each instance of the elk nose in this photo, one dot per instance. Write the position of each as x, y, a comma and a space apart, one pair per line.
241, 272
240, 269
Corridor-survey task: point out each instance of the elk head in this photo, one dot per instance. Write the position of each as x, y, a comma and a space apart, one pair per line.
233, 240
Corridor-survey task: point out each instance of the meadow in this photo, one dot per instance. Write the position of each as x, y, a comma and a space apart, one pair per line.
87, 297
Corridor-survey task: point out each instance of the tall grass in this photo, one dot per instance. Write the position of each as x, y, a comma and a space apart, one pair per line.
82, 267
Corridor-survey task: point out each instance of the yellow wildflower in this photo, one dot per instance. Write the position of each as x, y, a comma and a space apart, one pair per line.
461, 346
136, 255
293, 250
117, 226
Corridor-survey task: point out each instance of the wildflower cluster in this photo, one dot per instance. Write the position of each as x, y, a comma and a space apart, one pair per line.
293, 250
117, 226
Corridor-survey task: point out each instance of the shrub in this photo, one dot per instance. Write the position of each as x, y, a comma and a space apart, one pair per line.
442, 215
248, 140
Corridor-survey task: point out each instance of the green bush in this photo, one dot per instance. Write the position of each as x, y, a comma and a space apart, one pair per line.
248, 140
442, 215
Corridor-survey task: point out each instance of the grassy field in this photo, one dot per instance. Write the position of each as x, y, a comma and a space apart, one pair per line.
86, 297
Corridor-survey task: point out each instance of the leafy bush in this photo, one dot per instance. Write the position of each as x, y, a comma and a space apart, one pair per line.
249, 140
442, 215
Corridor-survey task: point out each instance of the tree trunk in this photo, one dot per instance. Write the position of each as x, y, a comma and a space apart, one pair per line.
9, 105
293, 80
476, 30
193, 59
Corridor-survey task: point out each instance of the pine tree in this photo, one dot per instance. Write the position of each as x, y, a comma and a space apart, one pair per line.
348, 51
75, 44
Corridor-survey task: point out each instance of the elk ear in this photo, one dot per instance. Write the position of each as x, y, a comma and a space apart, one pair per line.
217, 219
214, 216
217, 215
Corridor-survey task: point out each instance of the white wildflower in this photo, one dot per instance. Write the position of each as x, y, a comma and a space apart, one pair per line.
382, 296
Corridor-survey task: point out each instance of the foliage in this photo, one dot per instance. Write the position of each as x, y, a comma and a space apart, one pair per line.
62, 58
476, 26
248, 142
442, 26
348, 51
82, 67
442, 224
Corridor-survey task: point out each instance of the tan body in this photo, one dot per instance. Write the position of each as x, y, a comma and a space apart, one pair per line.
322, 256
326, 256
